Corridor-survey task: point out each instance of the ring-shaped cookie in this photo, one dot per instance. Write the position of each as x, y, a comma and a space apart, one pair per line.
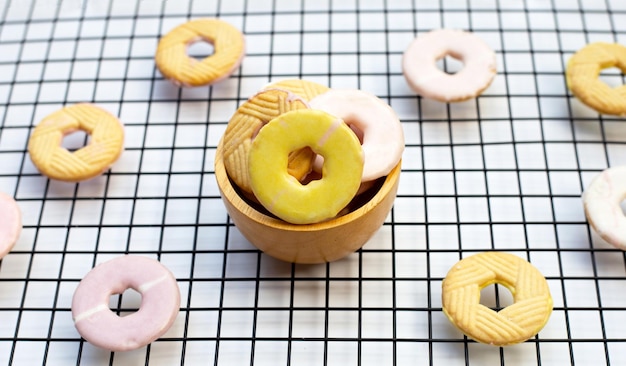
513, 324
303, 88
160, 303
283, 195
176, 65
583, 71
383, 137
425, 78
246, 123
10, 223
601, 201
56, 162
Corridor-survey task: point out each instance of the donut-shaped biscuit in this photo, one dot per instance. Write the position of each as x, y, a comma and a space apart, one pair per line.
246, 123
601, 201
583, 71
303, 88
382, 134
283, 195
175, 64
513, 324
56, 162
160, 303
423, 76
10, 223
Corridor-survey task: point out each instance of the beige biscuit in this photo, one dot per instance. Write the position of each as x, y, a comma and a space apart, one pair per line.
513, 324
583, 71
56, 162
246, 123
175, 64
303, 88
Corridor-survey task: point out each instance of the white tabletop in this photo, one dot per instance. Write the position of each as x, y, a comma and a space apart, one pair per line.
504, 171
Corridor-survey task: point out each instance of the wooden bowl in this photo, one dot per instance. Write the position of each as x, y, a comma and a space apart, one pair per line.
311, 243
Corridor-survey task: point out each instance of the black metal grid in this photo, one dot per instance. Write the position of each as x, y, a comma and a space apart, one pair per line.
504, 171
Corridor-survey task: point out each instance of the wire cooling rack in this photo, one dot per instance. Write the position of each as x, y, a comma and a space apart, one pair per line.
504, 171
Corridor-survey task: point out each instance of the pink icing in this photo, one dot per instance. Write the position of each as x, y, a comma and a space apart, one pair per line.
421, 72
601, 201
381, 132
10, 223
160, 303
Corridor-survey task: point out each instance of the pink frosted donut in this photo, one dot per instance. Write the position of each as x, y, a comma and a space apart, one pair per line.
160, 303
376, 124
10, 223
421, 72
601, 201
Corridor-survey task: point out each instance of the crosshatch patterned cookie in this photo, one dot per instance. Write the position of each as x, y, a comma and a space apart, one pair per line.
175, 64
303, 88
583, 71
56, 162
244, 125
513, 324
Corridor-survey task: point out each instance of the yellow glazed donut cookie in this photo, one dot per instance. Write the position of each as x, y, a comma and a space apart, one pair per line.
583, 70
513, 324
303, 88
283, 195
54, 161
244, 125
175, 64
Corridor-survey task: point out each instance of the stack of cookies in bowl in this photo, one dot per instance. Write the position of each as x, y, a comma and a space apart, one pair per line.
308, 174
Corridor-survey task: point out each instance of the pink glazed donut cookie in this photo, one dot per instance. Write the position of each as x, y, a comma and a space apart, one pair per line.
382, 134
421, 72
601, 201
160, 303
10, 223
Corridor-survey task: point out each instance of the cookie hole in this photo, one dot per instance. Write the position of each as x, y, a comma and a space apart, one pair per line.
612, 76
75, 140
450, 64
200, 49
316, 173
496, 297
126, 303
312, 176
357, 131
